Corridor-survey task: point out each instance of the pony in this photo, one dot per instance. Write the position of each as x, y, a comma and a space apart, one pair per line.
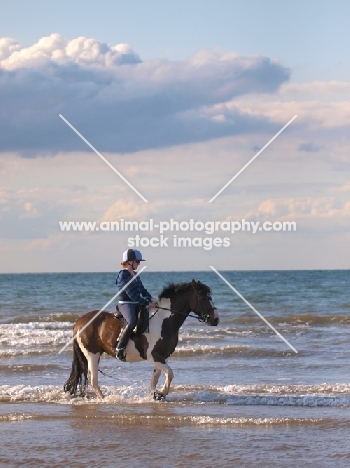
156, 344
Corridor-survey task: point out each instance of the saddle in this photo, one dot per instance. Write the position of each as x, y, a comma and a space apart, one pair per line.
142, 324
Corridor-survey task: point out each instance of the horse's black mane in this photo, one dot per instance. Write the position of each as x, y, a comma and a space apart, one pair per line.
171, 288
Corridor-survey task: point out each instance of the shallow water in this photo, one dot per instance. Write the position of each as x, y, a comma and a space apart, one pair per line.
240, 394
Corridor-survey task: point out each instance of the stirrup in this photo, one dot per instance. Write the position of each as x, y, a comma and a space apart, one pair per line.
121, 354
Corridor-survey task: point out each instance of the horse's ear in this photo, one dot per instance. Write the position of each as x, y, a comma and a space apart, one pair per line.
193, 284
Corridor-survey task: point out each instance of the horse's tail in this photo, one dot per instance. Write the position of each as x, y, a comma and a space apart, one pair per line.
78, 375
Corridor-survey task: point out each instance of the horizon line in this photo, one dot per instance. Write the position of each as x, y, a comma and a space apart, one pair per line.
167, 271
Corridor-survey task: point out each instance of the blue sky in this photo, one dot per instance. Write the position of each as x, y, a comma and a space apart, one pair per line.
178, 97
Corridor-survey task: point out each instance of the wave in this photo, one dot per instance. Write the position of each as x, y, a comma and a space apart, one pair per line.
23, 368
15, 417
12, 352
18, 339
180, 352
46, 337
265, 400
227, 319
69, 317
208, 349
15, 328
213, 421
324, 395
297, 319
244, 351
172, 420
282, 389
33, 337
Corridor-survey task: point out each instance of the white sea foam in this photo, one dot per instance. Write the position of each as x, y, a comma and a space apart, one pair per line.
15, 417
325, 395
206, 349
32, 337
214, 421
145, 419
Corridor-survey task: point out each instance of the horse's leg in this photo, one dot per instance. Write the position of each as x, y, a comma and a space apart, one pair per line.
169, 375
93, 360
154, 379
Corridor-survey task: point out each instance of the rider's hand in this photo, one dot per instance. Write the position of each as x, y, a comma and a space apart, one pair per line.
153, 304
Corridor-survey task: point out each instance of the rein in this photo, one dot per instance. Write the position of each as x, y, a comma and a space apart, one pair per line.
203, 318
200, 319
106, 375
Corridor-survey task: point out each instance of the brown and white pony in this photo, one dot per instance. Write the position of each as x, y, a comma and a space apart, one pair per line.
176, 301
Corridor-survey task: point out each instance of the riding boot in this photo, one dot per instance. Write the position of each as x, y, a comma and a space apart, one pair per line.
122, 342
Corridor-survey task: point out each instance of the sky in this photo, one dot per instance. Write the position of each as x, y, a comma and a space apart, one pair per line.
178, 98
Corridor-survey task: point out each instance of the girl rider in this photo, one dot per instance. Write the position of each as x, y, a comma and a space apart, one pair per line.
131, 297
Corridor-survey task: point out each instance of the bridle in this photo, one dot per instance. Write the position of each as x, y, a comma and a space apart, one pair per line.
204, 317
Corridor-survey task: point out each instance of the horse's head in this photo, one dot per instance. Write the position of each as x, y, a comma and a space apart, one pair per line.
192, 296
202, 304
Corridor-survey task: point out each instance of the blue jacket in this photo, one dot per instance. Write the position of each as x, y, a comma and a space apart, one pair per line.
135, 292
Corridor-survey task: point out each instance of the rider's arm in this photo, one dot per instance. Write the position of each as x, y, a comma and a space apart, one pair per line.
134, 289
145, 293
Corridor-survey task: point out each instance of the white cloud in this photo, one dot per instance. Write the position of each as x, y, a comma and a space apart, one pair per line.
7, 47
59, 50
311, 114
127, 210
119, 102
303, 208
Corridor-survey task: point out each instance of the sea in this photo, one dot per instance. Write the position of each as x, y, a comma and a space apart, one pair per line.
240, 396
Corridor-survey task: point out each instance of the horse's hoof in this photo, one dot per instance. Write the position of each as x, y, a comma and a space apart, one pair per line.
157, 396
